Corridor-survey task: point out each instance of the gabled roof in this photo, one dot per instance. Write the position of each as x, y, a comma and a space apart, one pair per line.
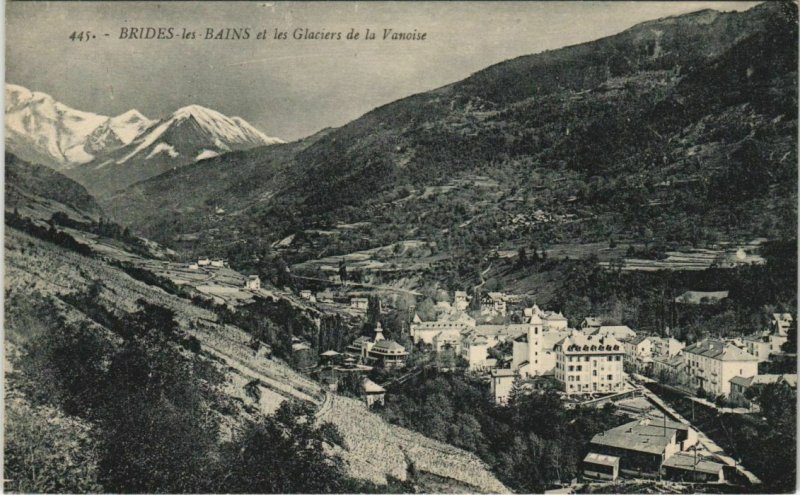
371, 387
618, 331
742, 381
715, 349
782, 316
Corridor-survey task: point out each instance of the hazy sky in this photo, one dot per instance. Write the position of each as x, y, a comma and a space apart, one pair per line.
291, 88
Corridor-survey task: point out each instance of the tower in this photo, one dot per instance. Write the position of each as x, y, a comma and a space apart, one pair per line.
535, 356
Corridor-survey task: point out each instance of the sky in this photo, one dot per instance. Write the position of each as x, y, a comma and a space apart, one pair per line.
290, 88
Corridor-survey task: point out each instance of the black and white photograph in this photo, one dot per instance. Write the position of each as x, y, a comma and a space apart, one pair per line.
400, 247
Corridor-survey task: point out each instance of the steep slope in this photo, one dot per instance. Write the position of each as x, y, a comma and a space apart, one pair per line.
79, 275
40, 191
680, 129
42, 130
191, 134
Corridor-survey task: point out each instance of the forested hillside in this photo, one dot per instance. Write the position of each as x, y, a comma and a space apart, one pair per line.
679, 129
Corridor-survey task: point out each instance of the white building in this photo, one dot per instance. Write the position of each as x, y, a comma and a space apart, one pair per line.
780, 323
218, 263
502, 384
460, 300
534, 352
453, 323
710, 365
639, 352
589, 364
666, 347
474, 349
359, 303
493, 303
203, 262
619, 332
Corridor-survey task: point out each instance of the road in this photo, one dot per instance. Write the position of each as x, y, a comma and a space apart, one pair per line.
358, 284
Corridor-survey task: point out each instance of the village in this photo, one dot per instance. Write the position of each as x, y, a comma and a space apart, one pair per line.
598, 363
516, 349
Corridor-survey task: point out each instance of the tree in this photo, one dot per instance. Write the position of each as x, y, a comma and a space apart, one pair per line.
342, 270
283, 453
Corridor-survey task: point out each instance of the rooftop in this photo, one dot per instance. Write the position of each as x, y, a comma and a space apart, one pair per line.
701, 297
371, 387
388, 347
650, 436
715, 349
686, 460
605, 460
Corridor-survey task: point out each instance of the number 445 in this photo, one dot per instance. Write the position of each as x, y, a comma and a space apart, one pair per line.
81, 36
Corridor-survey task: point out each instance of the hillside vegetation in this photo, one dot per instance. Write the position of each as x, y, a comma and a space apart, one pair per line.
679, 129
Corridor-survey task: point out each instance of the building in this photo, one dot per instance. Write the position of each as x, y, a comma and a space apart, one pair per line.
252, 283
666, 346
551, 320
601, 466
498, 334
217, 263
710, 365
591, 323
373, 393
474, 350
460, 300
493, 303
359, 303
203, 262
639, 353
387, 354
642, 446
619, 332
447, 341
454, 323
534, 351
193, 266
502, 384
780, 323
588, 364
669, 369
308, 295
740, 385
694, 467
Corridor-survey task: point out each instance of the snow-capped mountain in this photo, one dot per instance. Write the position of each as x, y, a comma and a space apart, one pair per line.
190, 134
39, 129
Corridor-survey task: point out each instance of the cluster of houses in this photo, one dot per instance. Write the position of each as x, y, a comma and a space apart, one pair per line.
205, 261
595, 357
377, 351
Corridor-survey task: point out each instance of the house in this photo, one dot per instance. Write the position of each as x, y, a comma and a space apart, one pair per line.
387, 354
498, 334
193, 266
493, 303
447, 340
740, 385
589, 364
710, 365
203, 262
600, 466
780, 323
669, 369
373, 393
252, 283
474, 350
693, 466
695, 297
619, 332
307, 295
453, 323
359, 303
666, 346
639, 353
550, 319
502, 384
217, 263
591, 323
642, 446
460, 300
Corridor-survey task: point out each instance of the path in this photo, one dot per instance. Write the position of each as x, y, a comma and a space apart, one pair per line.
359, 284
